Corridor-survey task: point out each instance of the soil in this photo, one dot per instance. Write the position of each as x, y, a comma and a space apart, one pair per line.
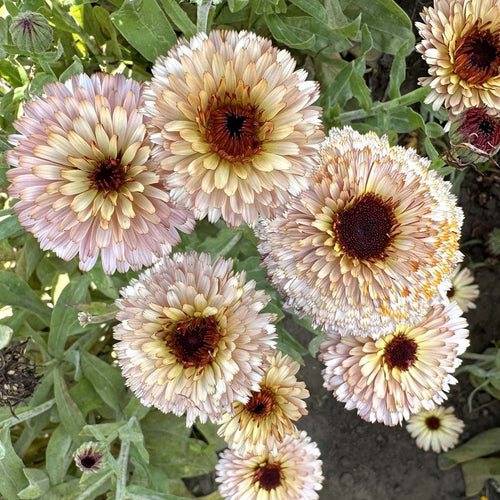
363, 461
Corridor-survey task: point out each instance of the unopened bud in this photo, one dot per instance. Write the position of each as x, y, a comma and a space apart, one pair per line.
31, 32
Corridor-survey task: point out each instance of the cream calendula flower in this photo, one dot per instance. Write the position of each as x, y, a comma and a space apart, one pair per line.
84, 177
268, 415
390, 378
366, 246
437, 429
291, 472
233, 123
192, 338
461, 45
462, 289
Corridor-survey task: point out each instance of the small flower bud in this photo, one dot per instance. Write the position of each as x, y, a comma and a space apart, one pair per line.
91, 456
31, 32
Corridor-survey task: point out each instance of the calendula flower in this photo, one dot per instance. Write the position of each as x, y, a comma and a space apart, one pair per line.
437, 429
292, 472
233, 123
366, 246
268, 416
192, 339
91, 457
461, 45
390, 378
463, 290
84, 177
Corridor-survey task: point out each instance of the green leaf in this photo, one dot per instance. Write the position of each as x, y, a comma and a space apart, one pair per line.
132, 432
483, 444
102, 432
312, 7
5, 335
476, 472
74, 69
17, 293
12, 478
398, 72
403, 120
292, 37
85, 397
57, 455
28, 258
9, 224
145, 27
314, 344
360, 90
237, 5
64, 321
289, 345
70, 415
179, 17
221, 244
39, 484
209, 432
339, 91
434, 130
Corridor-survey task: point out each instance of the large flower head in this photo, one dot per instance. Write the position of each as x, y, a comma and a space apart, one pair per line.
192, 338
85, 179
291, 472
437, 429
461, 45
233, 124
268, 415
366, 246
390, 378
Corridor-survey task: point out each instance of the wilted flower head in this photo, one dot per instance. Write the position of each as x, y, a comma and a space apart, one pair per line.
18, 377
292, 472
389, 379
366, 246
85, 179
31, 32
91, 457
267, 417
461, 45
192, 338
437, 429
462, 289
233, 125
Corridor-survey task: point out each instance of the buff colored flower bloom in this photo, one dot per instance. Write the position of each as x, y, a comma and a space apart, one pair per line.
366, 246
463, 290
233, 124
461, 45
267, 417
438, 429
192, 338
292, 472
84, 177
389, 379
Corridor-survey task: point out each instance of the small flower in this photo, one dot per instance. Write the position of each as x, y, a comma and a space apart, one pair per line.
234, 126
438, 429
31, 32
192, 338
463, 290
366, 246
91, 457
390, 378
267, 417
292, 472
461, 45
84, 177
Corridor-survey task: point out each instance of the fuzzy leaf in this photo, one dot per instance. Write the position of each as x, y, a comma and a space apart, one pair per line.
57, 456
39, 484
12, 478
293, 37
476, 472
9, 224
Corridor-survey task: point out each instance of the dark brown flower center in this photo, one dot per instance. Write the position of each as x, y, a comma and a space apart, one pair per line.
480, 129
433, 423
364, 229
88, 461
232, 132
400, 352
477, 55
108, 175
268, 476
261, 403
194, 341
451, 292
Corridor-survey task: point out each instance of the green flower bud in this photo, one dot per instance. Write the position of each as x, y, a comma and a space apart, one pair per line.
91, 456
31, 32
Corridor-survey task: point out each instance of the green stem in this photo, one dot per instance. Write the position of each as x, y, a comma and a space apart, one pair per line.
121, 473
417, 95
475, 356
22, 416
202, 15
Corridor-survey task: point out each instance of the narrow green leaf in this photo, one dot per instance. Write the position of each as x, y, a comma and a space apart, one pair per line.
292, 37
360, 90
85, 397
237, 5
74, 69
9, 224
105, 378
12, 478
312, 7
339, 91
57, 456
17, 293
64, 321
38, 484
28, 258
145, 27
24, 414
434, 130
179, 17
221, 244
132, 432
103, 282
403, 120
398, 72
70, 415
289, 345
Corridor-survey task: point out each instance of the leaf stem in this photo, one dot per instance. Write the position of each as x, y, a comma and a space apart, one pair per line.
121, 472
417, 95
202, 15
22, 416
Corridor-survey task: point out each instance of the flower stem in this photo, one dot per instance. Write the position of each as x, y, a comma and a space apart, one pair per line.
202, 15
417, 95
122, 465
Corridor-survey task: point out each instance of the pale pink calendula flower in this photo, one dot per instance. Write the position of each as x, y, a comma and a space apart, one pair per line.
233, 124
84, 178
